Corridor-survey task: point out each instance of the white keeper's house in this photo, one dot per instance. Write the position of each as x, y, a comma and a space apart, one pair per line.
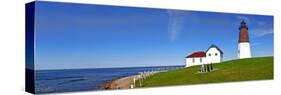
212, 55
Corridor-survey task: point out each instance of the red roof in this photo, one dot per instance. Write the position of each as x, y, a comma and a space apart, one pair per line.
197, 54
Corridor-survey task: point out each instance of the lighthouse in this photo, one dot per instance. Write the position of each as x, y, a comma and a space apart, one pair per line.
244, 47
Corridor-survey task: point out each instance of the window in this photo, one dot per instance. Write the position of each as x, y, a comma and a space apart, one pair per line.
216, 54
238, 51
209, 54
193, 60
200, 60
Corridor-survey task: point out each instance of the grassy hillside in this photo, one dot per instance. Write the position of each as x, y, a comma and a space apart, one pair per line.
234, 70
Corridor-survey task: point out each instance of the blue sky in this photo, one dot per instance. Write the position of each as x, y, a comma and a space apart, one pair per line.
93, 36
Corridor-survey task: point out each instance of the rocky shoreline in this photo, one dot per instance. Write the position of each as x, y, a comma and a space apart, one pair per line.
128, 82
121, 83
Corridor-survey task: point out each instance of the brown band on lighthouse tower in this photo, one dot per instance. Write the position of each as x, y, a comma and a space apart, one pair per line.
243, 34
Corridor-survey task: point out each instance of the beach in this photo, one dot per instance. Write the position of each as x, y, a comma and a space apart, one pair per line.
121, 83
128, 82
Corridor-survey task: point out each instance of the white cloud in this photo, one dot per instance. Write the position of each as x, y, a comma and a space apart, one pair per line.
255, 44
261, 32
176, 21
261, 23
246, 19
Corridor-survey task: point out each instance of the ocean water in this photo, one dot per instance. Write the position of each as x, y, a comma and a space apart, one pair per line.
69, 80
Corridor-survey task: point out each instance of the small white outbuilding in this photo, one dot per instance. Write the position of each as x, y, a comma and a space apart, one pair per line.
212, 55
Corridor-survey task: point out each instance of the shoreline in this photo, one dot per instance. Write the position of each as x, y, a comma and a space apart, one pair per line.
128, 81
121, 83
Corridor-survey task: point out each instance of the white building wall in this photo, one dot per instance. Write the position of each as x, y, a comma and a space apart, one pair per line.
189, 61
213, 55
244, 50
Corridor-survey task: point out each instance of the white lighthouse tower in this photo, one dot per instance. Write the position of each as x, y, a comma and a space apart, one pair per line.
244, 47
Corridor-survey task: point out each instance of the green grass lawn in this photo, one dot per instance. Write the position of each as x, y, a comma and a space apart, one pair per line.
235, 70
